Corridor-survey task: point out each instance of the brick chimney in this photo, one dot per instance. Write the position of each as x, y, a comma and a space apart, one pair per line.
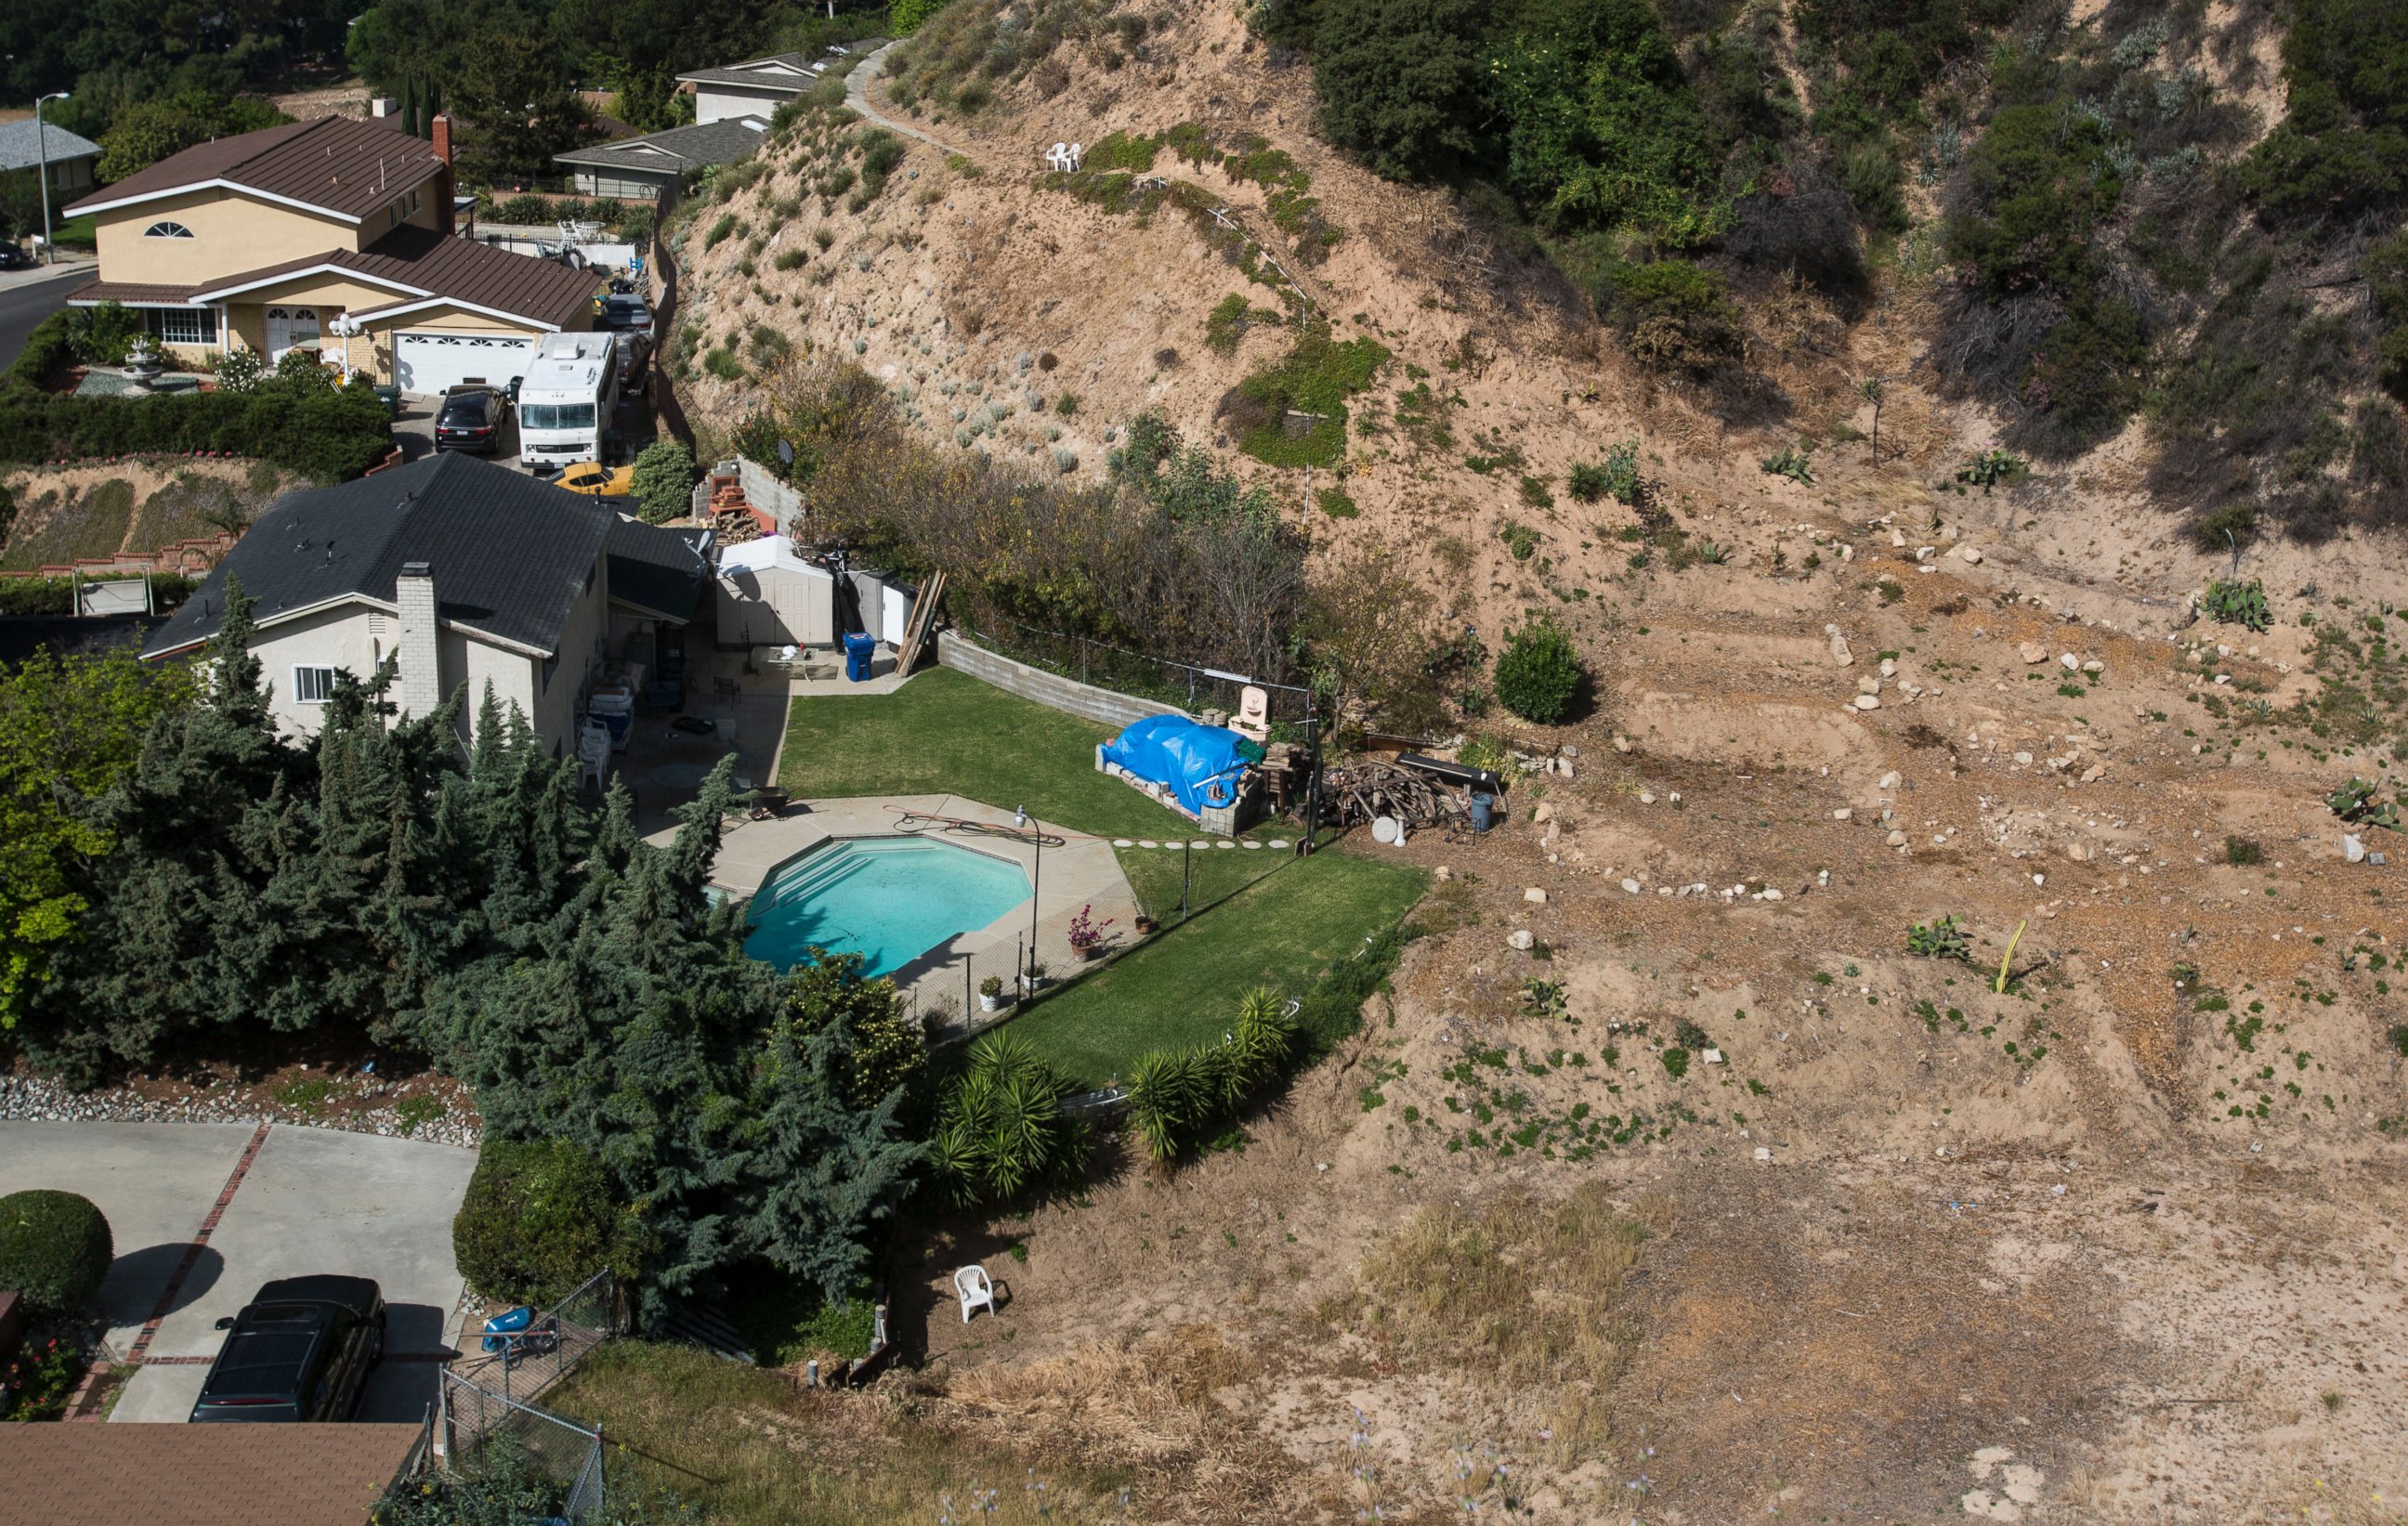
421, 652
446, 183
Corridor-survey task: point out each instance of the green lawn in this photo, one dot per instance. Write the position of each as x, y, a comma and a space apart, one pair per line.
1182, 987
945, 733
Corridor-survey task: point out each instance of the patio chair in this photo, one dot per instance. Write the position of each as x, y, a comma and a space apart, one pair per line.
974, 1287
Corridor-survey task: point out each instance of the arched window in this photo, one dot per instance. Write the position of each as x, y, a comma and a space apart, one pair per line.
167, 229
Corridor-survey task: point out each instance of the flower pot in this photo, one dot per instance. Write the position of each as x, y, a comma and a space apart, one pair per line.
1144, 924
991, 1003
1091, 953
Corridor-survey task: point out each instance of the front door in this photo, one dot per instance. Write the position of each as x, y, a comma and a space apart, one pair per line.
290, 327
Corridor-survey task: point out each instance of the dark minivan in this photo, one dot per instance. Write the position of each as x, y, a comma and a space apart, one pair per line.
470, 418
300, 1350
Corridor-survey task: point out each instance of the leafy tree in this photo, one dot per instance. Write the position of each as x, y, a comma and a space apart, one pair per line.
69, 729
513, 85
150, 131
2386, 283
1398, 81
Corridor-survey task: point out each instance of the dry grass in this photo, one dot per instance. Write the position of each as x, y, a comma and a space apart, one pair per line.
1527, 1291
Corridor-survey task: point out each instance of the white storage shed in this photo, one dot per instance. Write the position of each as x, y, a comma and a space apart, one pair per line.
769, 596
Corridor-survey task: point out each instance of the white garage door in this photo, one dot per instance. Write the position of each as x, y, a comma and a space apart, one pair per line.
426, 363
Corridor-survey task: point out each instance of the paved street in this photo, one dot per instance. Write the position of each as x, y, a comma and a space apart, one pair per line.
202, 1214
27, 297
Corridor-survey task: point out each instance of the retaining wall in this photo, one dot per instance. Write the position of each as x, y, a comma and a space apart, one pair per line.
1049, 690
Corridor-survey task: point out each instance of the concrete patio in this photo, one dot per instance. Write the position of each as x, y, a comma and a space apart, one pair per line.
1077, 871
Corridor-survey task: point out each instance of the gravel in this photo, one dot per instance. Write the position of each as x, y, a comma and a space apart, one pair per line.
32, 1098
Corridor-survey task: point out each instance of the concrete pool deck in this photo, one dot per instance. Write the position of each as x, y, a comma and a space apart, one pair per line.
1077, 871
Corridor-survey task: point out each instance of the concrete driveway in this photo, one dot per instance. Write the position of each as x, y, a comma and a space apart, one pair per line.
204, 1213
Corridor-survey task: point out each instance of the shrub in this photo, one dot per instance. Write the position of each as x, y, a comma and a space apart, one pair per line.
48, 351
2232, 603
664, 480
242, 371
1941, 939
792, 259
330, 434
720, 232
2244, 852
1336, 502
2355, 804
1067, 405
1538, 674
1791, 463
54, 1249
1176, 1096
1674, 316
539, 1219
1991, 468
101, 335
1000, 1127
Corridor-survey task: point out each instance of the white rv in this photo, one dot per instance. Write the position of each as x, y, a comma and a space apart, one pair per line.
567, 399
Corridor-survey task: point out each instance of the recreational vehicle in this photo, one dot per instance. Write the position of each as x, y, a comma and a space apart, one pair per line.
566, 400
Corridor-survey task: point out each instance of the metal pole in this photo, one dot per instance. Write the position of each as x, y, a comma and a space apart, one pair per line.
1036, 889
1186, 874
42, 148
1311, 777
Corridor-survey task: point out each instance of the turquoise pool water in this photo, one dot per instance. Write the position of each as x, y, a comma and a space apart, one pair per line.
887, 899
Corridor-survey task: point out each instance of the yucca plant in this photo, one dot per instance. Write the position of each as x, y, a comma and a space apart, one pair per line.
1000, 1128
1169, 1099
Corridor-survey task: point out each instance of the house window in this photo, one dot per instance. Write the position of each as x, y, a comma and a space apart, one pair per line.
414, 201
187, 326
167, 229
313, 685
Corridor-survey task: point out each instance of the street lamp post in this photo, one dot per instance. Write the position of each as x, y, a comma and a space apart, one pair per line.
1022, 820
42, 149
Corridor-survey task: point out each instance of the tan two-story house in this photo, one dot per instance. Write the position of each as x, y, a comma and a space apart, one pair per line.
334, 236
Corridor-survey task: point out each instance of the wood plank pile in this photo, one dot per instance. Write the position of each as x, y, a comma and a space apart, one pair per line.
1359, 791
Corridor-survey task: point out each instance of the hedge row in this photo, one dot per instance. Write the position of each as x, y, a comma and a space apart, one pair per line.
331, 435
47, 351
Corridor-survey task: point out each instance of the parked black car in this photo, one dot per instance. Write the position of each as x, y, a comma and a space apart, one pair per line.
626, 315
300, 1350
13, 256
470, 420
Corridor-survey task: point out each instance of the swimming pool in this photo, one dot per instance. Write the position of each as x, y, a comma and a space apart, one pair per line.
887, 899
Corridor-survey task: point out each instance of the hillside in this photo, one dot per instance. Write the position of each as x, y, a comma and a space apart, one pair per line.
2109, 1244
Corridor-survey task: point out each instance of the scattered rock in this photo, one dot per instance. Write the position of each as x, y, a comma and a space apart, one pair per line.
1621, 743
1520, 938
1842, 652
1763, 1152
1771, 894
1647, 797
1868, 702
1536, 896
2093, 774
1868, 685
2033, 653
2352, 849
1889, 780
1842, 814
1896, 840
1712, 1057
1630, 885
1444, 873
1970, 555
2068, 662
1544, 812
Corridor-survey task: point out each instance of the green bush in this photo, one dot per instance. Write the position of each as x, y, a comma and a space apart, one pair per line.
1000, 1127
720, 231
664, 481
1538, 674
1672, 315
330, 434
54, 1249
539, 1219
1941, 939
1177, 1097
48, 351
2232, 603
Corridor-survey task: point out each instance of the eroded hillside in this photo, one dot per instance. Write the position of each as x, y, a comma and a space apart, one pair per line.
1859, 1234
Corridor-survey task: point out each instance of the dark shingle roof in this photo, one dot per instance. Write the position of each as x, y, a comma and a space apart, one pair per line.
658, 570
676, 150
763, 72
509, 555
425, 264
339, 164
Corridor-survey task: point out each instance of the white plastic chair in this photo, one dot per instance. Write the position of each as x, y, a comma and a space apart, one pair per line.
972, 1284
1055, 156
1078, 154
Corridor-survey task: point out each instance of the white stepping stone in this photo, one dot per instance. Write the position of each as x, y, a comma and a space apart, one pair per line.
1201, 842
1279, 842
1148, 843
1252, 843
1224, 843
1123, 842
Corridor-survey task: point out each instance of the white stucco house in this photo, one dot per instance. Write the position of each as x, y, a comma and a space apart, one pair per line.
467, 574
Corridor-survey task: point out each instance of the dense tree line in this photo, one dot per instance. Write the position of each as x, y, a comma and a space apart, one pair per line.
229, 879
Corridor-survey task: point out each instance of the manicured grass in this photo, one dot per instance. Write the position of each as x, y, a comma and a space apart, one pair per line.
945, 733
749, 1449
1182, 987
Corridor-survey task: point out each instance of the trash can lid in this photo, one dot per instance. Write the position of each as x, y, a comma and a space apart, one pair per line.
860, 641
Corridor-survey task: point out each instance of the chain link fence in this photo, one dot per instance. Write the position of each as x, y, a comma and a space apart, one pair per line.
486, 1433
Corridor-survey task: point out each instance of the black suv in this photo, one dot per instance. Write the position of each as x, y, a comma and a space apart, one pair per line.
470, 419
301, 1351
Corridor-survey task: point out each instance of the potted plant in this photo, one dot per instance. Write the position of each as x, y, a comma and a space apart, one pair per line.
991, 993
1088, 935
1033, 978
1144, 924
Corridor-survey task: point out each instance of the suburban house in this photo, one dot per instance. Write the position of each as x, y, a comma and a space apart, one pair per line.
22, 154
332, 236
645, 167
462, 571
755, 88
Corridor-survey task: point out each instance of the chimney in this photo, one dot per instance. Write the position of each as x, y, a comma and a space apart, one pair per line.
420, 650
445, 182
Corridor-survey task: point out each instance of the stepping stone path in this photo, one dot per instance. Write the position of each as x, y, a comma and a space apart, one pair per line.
1124, 841
1149, 843
1252, 843
1279, 842
1224, 843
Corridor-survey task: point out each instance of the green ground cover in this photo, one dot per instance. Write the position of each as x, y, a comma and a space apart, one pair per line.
945, 733
1182, 987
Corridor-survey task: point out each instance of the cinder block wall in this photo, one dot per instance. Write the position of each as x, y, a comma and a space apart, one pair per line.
1049, 690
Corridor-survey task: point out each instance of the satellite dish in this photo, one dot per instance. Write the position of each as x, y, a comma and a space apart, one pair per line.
1387, 828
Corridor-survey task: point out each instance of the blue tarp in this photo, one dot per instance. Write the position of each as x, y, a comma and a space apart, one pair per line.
1188, 757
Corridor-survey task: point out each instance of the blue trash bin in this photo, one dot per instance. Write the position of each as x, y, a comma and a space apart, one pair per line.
859, 648
1483, 812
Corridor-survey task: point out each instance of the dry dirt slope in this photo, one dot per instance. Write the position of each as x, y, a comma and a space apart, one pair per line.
2118, 1245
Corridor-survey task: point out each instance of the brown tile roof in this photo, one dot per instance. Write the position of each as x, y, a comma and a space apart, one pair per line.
100, 1475
419, 264
132, 293
339, 165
